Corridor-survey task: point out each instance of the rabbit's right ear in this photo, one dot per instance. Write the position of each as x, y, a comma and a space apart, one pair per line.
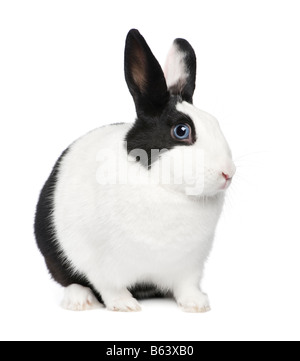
144, 76
180, 70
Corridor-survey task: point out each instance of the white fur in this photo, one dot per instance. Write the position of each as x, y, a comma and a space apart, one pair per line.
175, 69
217, 157
79, 298
118, 235
121, 300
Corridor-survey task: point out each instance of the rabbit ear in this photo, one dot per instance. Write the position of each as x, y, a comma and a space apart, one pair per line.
144, 76
180, 70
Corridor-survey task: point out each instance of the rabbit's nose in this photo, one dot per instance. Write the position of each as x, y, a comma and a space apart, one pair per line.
226, 176
229, 171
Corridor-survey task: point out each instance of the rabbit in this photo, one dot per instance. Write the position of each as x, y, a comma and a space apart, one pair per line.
130, 210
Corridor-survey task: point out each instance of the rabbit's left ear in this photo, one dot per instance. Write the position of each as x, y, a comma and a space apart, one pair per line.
180, 70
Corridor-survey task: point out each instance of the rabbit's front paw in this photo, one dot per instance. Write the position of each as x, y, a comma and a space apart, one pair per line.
79, 298
124, 304
197, 302
119, 300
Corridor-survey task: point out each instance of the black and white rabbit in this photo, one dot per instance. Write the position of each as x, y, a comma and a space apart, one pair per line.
130, 210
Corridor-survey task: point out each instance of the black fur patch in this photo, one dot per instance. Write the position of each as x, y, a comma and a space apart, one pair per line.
144, 291
155, 132
57, 262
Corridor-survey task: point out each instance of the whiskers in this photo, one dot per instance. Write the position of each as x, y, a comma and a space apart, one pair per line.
246, 180
251, 159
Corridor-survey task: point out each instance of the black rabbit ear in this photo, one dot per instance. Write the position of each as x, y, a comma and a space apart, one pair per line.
144, 76
180, 70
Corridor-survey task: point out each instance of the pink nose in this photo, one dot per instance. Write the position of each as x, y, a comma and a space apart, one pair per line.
226, 176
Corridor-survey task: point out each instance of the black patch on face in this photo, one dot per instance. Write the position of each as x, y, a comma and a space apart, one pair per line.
155, 103
149, 133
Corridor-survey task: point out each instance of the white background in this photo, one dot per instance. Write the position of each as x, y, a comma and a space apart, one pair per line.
61, 75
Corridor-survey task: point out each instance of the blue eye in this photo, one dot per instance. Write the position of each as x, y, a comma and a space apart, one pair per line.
182, 131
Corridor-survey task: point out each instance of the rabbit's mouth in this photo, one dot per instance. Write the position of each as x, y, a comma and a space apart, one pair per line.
226, 184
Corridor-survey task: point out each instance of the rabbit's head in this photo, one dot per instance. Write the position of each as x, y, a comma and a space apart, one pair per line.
183, 144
